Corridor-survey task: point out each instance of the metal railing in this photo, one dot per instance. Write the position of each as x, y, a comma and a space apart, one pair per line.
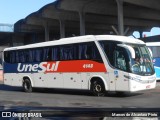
6, 27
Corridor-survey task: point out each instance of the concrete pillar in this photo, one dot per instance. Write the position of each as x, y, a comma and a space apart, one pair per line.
34, 37
82, 22
17, 40
11, 41
46, 28
141, 34
120, 17
62, 28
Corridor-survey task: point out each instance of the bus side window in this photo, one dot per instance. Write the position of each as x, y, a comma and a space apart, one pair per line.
31, 55
28, 55
89, 51
46, 55
108, 48
55, 53
12, 57
38, 53
66, 52
82, 51
96, 54
21, 56
75, 51
120, 62
7, 57
155, 51
85, 51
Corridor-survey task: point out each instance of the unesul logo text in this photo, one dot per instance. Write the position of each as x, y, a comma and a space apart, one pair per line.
42, 67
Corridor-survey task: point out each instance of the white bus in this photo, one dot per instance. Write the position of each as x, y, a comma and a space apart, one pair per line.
98, 63
155, 48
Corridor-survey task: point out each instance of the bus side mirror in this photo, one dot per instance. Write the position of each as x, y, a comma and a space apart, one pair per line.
150, 51
131, 50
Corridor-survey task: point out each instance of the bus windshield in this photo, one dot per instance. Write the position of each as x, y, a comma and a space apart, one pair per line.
142, 63
120, 58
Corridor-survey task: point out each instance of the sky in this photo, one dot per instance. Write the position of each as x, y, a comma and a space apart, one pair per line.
13, 10
154, 31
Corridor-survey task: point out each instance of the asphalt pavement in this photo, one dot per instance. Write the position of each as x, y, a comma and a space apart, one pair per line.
83, 103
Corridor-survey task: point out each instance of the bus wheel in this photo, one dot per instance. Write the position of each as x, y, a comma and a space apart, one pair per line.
120, 93
27, 87
98, 89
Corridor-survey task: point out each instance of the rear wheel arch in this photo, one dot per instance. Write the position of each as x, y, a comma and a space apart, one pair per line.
97, 86
100, 79
27, 84
27, 77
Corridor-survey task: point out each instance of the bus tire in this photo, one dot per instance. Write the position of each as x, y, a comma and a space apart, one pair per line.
97, 87
120, 93
27, 87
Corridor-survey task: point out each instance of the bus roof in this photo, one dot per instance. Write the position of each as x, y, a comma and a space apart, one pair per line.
79, 39
153, 43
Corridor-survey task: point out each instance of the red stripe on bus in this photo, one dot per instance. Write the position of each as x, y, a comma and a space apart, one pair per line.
78, 66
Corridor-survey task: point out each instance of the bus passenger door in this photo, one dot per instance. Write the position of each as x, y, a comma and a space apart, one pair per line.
117, 80
121, 63
112, 81
122, 83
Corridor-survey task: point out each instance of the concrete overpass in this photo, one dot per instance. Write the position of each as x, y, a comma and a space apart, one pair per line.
65, 18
